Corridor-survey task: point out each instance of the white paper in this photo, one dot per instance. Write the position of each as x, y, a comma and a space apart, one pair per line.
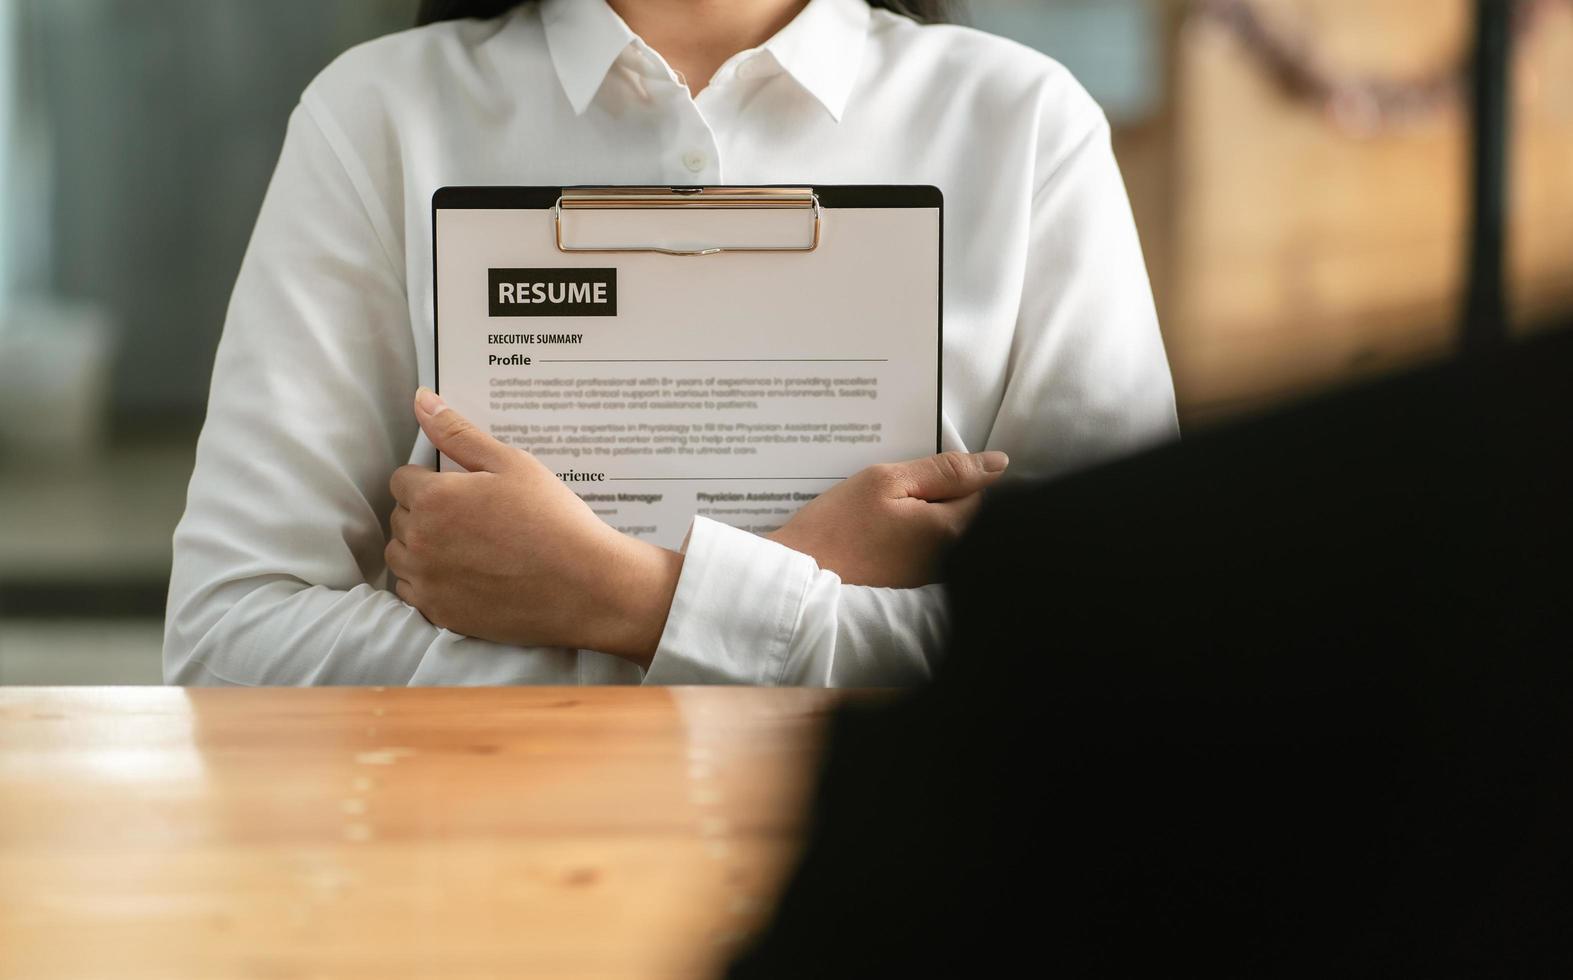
736, 386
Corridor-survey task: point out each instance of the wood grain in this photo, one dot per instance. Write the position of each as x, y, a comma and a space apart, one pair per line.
544, 832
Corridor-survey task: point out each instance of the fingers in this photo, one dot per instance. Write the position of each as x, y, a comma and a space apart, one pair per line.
410, 482
397, 557
458, 438
399, 523
949, 476
958, 514
403, 590
399, 564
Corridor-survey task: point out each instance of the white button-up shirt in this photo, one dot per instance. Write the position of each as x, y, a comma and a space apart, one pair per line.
1051, 348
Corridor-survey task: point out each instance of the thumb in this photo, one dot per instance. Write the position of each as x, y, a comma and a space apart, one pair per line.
458, 438
949, 476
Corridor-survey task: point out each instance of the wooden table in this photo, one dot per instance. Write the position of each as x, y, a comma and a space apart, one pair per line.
371, 832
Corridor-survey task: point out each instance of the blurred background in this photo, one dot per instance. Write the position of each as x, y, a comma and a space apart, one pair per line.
1300, 171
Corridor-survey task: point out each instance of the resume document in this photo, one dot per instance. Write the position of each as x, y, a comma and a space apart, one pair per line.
736, 385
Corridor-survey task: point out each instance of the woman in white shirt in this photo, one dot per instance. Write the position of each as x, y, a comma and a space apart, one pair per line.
282, 560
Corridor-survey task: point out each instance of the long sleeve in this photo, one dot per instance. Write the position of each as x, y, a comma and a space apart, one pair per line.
278, 570
750, 611
1088, 382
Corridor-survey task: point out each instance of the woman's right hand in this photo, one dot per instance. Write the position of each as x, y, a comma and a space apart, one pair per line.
888, 525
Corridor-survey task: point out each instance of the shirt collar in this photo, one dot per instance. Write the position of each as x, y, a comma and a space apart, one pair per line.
584, 38
822, 48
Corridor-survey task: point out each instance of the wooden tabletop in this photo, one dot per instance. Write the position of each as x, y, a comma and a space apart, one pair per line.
370, 832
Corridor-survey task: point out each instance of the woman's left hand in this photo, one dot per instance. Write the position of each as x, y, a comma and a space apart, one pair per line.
506, 552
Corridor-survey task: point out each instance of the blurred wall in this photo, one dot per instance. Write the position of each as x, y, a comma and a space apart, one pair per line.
1300, 238
164, 119
1113, 47
8, 101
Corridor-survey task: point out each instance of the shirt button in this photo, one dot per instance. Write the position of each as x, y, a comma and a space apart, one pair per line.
694, 161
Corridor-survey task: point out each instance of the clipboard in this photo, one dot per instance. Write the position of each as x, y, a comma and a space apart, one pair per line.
722, 351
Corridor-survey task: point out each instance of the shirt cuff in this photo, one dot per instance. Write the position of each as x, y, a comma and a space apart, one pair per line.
737, 606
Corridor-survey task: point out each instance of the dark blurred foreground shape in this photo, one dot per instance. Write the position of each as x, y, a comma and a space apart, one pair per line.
1291, 698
